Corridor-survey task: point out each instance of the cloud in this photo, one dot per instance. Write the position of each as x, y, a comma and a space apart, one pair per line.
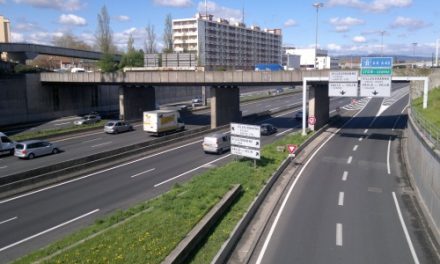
174, 3
233, 15
342, 29
71, 19
17, 37
290, 23
26, 26
123, 18
334, 47
69, 5
2, 2
348, 21
372, 6
409, 24
359, 39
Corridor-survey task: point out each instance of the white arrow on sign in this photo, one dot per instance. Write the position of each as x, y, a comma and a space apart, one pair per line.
245, 130
245, 152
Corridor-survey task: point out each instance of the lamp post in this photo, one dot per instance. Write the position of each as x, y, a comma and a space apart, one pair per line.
414, 44
317, 6
381, 43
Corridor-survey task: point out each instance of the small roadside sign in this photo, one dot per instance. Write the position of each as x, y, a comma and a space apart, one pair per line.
349, 89
246, 152
245, 142
312, 120
292, 148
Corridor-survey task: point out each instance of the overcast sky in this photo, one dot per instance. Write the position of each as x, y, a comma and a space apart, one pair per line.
345, 26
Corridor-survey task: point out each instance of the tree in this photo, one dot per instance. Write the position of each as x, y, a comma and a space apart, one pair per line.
150, 44
104, 36
168, 35
107, 63
132, 58
130, 43
68, 40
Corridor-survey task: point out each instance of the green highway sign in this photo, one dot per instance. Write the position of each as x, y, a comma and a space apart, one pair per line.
376, 71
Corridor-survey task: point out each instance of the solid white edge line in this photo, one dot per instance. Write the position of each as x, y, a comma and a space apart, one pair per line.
140, 173
388, 157
405, 230
8, 220
95, 173
180, 175
277, 218
341, 199
60, 124
47, 230
339, 234
350, 159
344, 176
284, 132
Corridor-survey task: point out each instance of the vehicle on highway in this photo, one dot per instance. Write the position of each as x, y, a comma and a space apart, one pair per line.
88, 119
33, 148
299, 115
267, 129
197, 101
161, 122
117, 126
216, 143
6, 145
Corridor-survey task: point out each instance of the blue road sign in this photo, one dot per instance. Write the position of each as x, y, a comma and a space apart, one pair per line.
376, 62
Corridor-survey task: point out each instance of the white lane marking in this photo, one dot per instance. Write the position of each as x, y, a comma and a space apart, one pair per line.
280, 211
91, 140
388, 157
284, 132
274, 109
47, 230
79, 136
140, 173
96, 173
365, 131
349, 159
341, 199
361, 138
355, 147
331, 112
8, 220
405, 230
101, 144
60, 124
339, 234
3, 167
344, 176
180, 175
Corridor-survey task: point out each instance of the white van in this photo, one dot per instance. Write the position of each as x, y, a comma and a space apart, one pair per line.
216, 143
6, 145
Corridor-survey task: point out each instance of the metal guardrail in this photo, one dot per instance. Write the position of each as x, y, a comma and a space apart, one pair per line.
428, 128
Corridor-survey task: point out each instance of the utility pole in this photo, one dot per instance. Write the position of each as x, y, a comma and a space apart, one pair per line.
436, 53
317, 6
414, 44
381, 44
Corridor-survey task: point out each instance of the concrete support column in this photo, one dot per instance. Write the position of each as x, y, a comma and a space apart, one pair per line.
225, 105
204, 97
319, 105
134, 100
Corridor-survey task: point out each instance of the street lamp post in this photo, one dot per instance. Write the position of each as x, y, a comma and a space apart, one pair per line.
414, 44
317, 6
381, 44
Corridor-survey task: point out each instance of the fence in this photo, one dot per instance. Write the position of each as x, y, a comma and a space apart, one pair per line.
428, 128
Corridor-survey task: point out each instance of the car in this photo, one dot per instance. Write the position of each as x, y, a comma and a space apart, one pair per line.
88, 119
299, 115
267, 129
196, 100
6, 145
117, 126
279, 90
216, 143
33, 148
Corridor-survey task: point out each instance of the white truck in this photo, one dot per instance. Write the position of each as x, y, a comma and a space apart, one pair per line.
6, 145
161, 122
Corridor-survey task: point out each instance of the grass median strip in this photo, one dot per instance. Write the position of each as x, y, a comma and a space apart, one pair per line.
432, 112
148, 232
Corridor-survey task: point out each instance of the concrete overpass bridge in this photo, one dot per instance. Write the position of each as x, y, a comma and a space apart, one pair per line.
23, 51
137, 89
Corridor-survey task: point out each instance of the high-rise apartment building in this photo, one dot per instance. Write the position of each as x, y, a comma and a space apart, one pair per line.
223, 45
5, 34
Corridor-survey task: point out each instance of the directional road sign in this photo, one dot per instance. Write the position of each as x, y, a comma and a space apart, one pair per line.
376, 62
376, 86
245, 130
246, 152
343, 76
348, 89
376, 71
245, 142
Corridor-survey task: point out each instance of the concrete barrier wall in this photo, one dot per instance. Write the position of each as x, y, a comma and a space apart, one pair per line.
423, 162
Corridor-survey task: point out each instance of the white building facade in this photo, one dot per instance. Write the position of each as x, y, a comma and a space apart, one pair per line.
314, 58
222, 45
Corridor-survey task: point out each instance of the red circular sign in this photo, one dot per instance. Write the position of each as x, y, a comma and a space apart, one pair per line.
312, 120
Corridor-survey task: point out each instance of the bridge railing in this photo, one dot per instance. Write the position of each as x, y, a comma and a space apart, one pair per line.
428, 128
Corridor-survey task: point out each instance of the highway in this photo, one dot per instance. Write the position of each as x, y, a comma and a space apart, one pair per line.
31, 220
345, 205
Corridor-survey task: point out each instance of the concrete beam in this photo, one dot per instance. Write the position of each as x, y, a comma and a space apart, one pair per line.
134, 100
225, 105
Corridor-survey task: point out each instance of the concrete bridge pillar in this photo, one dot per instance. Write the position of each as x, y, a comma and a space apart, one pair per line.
134, 100
225, 105
319, 105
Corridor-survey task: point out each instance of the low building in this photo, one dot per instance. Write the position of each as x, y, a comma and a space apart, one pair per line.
313, 58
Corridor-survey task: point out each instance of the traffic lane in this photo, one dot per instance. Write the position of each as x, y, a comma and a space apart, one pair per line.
315, 232
106, 191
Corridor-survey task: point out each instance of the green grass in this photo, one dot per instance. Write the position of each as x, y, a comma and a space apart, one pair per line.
55, 132
432, 112
148, 232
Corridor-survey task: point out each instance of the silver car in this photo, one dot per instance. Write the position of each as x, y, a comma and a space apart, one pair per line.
33, 148
88, 119
118, 126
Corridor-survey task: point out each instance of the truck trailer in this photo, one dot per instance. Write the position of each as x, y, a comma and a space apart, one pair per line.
162, 122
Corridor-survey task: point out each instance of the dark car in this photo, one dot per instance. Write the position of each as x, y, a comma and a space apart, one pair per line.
267, 129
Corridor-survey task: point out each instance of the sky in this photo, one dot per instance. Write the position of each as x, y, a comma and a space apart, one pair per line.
345, 27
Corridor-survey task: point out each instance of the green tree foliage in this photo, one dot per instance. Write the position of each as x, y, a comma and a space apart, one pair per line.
107, 63
132, 58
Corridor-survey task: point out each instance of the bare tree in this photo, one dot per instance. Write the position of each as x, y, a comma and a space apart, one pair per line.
104, 36
68, 40
130, 43
150, 43
168, 35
